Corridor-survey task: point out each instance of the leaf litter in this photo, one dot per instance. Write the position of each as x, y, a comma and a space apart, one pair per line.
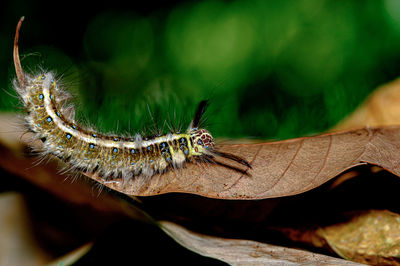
283, 168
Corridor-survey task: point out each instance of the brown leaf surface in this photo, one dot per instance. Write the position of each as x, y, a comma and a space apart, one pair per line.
371, 237
381, 108
279, 168
245, 252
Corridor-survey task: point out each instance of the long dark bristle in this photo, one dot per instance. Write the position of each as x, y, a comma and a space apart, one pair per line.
231, 157
201, 109
212, 160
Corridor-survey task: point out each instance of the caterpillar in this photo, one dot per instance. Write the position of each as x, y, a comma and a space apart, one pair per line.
52, 120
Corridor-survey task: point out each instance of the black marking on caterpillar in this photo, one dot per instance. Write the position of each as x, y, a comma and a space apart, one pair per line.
108, 156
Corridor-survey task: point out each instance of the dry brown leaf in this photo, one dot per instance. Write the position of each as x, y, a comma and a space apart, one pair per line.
371, 237
279, 168
381, 108
245, 252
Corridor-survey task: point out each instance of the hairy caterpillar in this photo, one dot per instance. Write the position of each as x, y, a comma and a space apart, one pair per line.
52, 121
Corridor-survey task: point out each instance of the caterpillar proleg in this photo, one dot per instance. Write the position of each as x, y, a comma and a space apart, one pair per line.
52, 120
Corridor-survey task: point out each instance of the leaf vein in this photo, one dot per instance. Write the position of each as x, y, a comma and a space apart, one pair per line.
287, 168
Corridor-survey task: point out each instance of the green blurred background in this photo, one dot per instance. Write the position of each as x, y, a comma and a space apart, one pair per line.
271, 69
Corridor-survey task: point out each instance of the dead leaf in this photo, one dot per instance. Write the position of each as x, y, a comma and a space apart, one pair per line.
381, 108
371, 237
280, 168
245, 252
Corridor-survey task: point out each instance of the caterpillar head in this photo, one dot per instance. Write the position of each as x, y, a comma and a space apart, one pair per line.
202, 140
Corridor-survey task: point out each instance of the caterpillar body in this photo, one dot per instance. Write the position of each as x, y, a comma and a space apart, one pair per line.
51, 120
